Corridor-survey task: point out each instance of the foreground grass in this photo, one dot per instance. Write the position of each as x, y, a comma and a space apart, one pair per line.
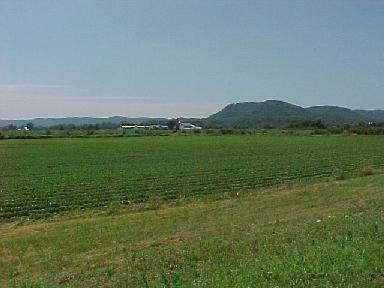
322, 235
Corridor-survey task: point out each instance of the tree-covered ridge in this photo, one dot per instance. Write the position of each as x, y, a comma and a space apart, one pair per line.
278, 113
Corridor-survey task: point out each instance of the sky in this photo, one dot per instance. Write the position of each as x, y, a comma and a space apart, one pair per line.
188, 58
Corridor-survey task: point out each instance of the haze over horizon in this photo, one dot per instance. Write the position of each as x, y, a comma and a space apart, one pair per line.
186, 58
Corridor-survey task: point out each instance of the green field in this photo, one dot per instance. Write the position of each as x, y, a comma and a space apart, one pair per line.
41, 178
192, 211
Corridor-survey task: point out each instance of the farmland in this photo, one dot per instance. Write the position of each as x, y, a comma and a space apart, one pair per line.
328, 234
42, 178
192, 211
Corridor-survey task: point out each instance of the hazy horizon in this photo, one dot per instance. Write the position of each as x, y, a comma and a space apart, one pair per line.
186, 58
169, 117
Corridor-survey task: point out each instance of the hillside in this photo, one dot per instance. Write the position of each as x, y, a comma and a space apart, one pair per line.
334, 114
276, 113
256, 114
240, 115
372, 116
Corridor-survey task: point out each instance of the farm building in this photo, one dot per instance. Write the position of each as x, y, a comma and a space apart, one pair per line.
142, 127
186, 126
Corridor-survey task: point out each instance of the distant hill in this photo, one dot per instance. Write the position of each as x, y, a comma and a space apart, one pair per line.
372, 115
78, 121
256, 114
276, 113
335, 114
240, 115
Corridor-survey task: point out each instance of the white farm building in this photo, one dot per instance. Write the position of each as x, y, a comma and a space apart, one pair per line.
186, 126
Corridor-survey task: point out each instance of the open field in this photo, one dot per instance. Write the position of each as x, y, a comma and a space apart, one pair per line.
41, 178
192, 211
319, 235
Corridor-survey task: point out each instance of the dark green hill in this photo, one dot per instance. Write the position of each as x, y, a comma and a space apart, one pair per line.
258, 114
335, 114
372, 115
277, 113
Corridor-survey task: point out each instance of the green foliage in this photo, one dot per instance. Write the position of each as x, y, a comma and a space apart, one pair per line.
172, 124
30, 126
227, 131
304, 124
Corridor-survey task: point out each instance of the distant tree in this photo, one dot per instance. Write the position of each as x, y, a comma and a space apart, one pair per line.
268, 126
172, 124
30, 125
305, 124
10, 127
319, 124
108, 125
336, 129
362, 124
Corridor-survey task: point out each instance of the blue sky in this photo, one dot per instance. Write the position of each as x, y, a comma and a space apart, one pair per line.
187, 58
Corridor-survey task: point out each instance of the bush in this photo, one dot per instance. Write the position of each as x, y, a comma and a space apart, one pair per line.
226, 131
210, 131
